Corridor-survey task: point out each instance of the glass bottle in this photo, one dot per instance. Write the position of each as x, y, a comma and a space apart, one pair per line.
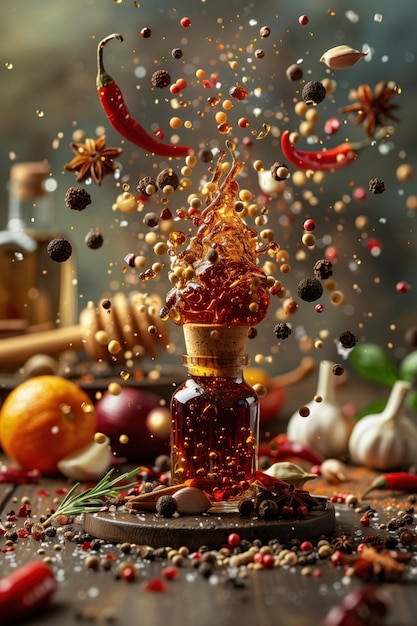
215, 418
33, 288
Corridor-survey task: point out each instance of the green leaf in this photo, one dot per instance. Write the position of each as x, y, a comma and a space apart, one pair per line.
377, 406
408, 367
372, 363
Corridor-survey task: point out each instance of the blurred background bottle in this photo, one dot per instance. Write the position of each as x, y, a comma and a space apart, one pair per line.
34, 289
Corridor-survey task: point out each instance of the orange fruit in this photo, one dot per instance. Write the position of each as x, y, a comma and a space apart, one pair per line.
43, 419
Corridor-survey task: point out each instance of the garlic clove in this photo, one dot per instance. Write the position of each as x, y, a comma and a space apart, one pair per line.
192, 501
88, 463
333, 471
342, 57
290, 473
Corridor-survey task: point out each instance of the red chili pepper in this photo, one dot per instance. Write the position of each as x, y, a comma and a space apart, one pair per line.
324, 160
282, 449
11, 475
327, 160
397, 481
25, 591
118, 114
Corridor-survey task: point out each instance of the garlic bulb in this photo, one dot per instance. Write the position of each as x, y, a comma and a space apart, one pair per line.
387, 440
191, 501
326, 429
88, 463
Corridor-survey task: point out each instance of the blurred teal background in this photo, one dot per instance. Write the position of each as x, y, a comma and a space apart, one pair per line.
48, 64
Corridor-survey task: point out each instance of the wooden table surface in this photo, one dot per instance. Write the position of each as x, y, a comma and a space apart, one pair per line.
268, 597
283, 595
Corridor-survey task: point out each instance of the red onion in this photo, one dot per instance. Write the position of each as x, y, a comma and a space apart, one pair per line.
126, 414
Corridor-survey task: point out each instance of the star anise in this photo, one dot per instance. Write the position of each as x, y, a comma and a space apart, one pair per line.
344, 543
373, 108
93, 159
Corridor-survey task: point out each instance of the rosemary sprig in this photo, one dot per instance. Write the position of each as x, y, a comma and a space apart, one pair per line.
92, 500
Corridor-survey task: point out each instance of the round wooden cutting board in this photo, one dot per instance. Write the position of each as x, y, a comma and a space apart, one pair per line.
210, 529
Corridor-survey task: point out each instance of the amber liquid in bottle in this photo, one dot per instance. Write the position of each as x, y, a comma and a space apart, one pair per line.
215, 422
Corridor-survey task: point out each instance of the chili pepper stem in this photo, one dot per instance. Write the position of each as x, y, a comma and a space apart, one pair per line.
103, 78
384, 132
379, 483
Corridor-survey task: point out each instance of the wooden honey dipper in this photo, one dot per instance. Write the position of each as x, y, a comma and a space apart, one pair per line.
126, 321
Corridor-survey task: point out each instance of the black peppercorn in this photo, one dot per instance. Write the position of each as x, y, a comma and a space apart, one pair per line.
314, 92
77, 198
282, 330
205, 155
348, 339
376, 186
309, 289
145, 183
176, 53
167, 177
268, 509
245, 507
94, 239
160, 79
166, 506
294, 72
59, 249
338, 369
323, 269
151, 220
279, 171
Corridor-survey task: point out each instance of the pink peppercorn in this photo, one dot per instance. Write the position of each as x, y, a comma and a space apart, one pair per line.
268, 560
402, 287
359, 194
233, 539
303, 20
306, 546
364, 521
185, 22
331, 126
129, 574
309, 225
319, 308
145, 32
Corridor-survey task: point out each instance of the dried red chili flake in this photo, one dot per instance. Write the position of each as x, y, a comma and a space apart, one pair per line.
43, 494
9, 549
86, 545
364, 521
170, 572
24, 511
23, 533
62, 491
156, 584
